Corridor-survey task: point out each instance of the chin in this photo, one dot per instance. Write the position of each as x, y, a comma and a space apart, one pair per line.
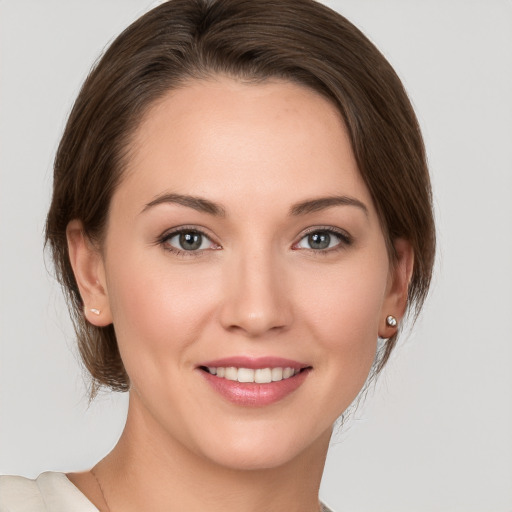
274, 448
254, 460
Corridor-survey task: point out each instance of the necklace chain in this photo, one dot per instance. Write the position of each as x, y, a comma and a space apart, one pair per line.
106, 502
101, 489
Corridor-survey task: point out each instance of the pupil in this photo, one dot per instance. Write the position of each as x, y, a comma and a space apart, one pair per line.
190, 241
319, 240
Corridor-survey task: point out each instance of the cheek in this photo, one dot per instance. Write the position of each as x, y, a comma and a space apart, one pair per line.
345, 303
343, 315
157, 308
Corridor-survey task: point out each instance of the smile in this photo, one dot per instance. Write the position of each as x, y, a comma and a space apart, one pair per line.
249, 375
254, 382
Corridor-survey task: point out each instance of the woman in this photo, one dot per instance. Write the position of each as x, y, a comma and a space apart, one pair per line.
241, 209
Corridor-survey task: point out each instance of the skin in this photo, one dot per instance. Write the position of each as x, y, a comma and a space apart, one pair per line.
256, 287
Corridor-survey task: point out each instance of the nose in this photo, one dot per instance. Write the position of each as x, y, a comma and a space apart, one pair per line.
256, 301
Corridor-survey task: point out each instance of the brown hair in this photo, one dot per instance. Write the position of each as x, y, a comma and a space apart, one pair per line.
297, 40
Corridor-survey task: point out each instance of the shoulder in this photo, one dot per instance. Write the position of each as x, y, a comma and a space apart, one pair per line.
48, 492
19, 494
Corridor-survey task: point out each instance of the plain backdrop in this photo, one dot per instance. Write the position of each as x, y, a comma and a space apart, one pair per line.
436, 432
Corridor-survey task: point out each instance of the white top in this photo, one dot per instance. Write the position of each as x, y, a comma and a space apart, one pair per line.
49, 492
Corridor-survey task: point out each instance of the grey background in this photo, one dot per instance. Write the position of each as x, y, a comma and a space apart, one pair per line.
435, 434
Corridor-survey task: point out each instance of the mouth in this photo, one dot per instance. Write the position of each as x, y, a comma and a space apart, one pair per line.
254, 382
250, 375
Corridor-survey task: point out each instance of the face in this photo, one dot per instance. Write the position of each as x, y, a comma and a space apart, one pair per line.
243, 245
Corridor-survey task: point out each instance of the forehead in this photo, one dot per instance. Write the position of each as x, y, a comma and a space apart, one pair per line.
221, 137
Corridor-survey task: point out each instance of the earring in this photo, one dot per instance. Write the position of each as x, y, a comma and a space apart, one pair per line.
391, 321
95, 311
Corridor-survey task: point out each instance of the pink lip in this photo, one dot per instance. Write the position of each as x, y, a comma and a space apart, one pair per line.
255, 363
253, 394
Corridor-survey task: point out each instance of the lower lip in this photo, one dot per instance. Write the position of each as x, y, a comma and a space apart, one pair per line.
250, 394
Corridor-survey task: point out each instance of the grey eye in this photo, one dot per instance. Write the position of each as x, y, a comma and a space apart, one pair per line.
189, 241
320, 240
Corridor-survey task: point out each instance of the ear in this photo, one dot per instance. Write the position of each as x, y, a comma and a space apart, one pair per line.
400, 275
87, 263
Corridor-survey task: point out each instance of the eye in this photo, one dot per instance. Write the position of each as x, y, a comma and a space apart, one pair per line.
323, 239
188, 240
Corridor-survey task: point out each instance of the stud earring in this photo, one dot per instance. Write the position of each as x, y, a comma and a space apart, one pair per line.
391, 321
95, 311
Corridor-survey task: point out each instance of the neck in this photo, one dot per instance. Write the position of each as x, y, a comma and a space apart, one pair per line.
150, 470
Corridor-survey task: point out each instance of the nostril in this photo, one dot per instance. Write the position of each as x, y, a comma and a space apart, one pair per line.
255, 301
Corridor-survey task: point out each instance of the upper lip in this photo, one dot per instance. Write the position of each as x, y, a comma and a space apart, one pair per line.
255, 362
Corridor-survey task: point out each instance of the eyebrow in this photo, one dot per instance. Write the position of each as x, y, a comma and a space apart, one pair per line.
321, 203
205, 205
197, 203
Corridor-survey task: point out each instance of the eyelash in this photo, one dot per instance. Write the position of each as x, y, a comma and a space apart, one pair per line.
166, 237
345, 240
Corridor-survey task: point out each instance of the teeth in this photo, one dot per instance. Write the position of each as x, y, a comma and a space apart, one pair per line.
263, 376
287, 373
231, 373
245, 375
258, 376
277, 374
